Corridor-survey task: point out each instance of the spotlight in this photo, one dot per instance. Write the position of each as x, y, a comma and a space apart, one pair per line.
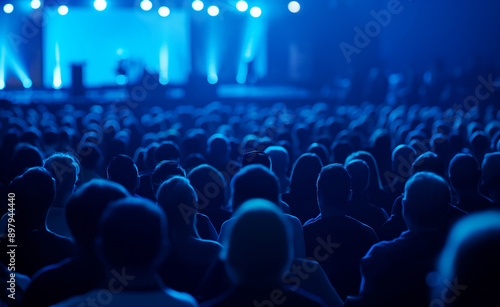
294, 6
27, 83
2, 84
35, 4
164, 11
63, 10
213, 10
255, 11
146, 5
8, 8
197, 5
212, 78
242, 6
100, 5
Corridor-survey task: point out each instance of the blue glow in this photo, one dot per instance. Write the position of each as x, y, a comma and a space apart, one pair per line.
242, 6
255, 11
197, 5
294, 6
213, 10
100, 5
146, 5
164, 11
8, 8
21, 74
63, 10
2, 68
2, 84
35, 4
27, 83
121, 79
163, 78
56, 79
212, 78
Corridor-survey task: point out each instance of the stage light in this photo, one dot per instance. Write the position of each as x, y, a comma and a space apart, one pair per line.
213, 10
8, 8
294, 6
2, 84
146, 5
164, 11
35, 4
255, 11
212, 78
27, 83
242, 6
121, 79
63, 10
100, 5
197, 5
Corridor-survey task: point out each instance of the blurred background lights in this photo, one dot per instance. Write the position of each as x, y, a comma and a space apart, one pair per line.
100, 5
197, 5
255, 11
164, 11
213, 10
242, 6
294, 6
8, 8
63, 10
35, 4
146, 5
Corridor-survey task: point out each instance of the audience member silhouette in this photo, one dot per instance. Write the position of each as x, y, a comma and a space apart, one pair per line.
491, 176
91, 159
280, 162
190, 256
132, 241
24, 157
256, 157
334, 239
82, 271
258, 251
122, 169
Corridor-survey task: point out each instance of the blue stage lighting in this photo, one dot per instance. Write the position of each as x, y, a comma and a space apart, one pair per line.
197, 5
164, 11
8, 8
212, 78
146, 5
213, 10
63, 10
121, 79
242, 6
2, 84
35, 4
27, 83
100, 5
255, 11
294, 6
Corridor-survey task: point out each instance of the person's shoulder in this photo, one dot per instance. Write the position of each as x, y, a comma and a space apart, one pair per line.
76, 301
180, 298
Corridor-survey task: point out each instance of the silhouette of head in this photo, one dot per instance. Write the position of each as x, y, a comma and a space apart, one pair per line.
24, 157
35, 191
491, 174
256, 157
122, 170
320, 150
254, 181
470, 259
259, 246
132, 234
428, 162
86, 206
360, 175
64, 169
334, 189
279, 159
179, 201
425, 201
305, 173
90, 156
464, 172
218, 145
375, 182
210, 186
402, 158
165, 170
166, 151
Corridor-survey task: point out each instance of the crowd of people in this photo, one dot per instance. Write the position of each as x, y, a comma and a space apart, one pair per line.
250, 205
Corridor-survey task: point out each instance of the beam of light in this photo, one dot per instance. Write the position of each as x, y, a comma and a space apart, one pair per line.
35, 4
56, 81
121, 79
197, 5
8, 8
163, 78
213, 51
100, 5
294, 6
242, 6
212, 78
63, 10
164, 11
213, 10
21, 74
146, 5
255, 11
2, 68
254, 41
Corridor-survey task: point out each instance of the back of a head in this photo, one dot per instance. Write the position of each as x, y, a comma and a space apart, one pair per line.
470, 259
24, 157
464, 172
402, 158
209, 184
35, 191
91, 156
256, 157
178, 200
254, 181
305, 173
63, 168
491, 170
86, 206
426, 199
334, 186
132, 234
428, 162
166, 151
279, 159
122, 170
360, 175
165, 170
259, 246
375, 182
218, 144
